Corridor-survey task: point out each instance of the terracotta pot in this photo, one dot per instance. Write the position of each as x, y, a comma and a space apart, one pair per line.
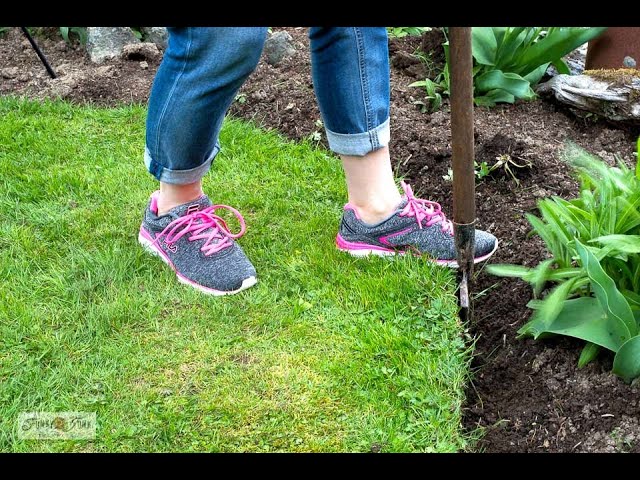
617, 47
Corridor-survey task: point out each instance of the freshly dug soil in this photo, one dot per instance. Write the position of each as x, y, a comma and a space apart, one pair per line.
528, 395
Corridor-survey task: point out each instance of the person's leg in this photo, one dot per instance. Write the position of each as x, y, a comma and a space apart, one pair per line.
350, 68
351, 80
201, 72
199, 76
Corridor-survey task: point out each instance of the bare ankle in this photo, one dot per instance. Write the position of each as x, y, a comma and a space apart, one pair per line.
173, 195
375, 212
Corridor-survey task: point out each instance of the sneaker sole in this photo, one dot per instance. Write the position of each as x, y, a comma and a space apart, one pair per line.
365, 250
153, 250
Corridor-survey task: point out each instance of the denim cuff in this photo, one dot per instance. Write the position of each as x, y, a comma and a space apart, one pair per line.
178, 177
359, 144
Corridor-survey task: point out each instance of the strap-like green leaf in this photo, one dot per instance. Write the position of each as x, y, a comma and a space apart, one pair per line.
556, 44
626, 363
561, 66
548, 310
498, 80
507, 270
621, 243
580, 318
588, 354
534, 76
483, 45
610, 298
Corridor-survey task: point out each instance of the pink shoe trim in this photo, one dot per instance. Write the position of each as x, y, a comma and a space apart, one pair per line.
348, 206
385, 238
154, 202
343, 244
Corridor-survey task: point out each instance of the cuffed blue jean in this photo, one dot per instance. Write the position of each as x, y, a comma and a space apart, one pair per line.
203, 68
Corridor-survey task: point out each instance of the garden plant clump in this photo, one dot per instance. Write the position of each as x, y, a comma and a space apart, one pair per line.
594, 241
509, 61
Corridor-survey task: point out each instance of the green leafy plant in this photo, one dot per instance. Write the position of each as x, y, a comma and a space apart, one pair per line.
509, 61
137, 31
594, 241
433, 98
399, 32
80, 32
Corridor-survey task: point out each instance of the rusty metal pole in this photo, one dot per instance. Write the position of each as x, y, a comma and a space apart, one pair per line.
464, 188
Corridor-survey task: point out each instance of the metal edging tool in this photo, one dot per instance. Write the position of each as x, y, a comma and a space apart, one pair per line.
464, 192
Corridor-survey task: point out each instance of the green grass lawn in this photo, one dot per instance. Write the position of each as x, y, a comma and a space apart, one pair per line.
326, 353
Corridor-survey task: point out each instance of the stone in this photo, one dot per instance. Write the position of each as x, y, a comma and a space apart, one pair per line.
9, 72
107, 42
141, 51
105, 71
157, 35
278, 47
144, 65
612, 94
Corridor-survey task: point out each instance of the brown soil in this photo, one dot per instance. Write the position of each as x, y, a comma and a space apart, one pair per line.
529, 395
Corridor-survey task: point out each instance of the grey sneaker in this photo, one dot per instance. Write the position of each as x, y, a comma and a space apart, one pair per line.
417, 226
197, 244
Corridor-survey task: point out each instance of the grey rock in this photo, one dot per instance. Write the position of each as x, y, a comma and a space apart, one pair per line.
144, 65
278, 47
157, 35
9, 72
629, 62
107, 42
140, 51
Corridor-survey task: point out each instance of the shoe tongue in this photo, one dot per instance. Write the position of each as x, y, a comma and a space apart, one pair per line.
190, 207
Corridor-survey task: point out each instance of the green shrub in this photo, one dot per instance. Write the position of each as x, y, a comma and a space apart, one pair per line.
509, 61
594, 241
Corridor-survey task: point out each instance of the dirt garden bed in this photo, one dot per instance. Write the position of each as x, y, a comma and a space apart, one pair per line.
530, 396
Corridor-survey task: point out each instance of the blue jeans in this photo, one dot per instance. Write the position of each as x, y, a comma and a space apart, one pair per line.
203, 68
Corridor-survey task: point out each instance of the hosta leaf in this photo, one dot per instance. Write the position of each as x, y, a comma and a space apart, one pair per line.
626, 363
610, 298
534, 77
509, 82
588, 354
498, 96
581, 318
483, 45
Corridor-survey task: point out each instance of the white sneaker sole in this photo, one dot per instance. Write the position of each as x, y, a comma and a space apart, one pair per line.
382, 253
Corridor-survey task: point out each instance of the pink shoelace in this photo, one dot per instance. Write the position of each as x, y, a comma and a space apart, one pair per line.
425, 209
203, 224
